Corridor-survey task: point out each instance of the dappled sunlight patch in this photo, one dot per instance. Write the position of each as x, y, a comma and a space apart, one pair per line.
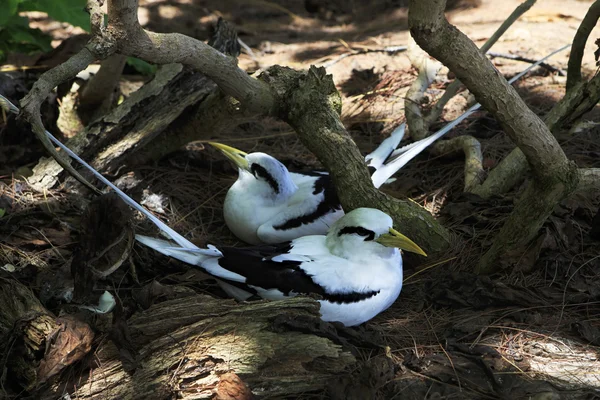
563, 361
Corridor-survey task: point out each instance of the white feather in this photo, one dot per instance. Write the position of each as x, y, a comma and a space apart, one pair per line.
400, 157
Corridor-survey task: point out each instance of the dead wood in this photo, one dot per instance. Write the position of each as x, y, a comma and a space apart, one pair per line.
193, 347
110, 141
35, 344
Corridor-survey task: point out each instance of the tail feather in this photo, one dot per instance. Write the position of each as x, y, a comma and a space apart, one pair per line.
400, 157
180, 240
193, 256
377, 158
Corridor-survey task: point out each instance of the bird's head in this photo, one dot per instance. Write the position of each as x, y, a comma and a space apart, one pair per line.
265, 173
368, 231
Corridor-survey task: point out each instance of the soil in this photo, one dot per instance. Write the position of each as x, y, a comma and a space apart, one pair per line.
530, 333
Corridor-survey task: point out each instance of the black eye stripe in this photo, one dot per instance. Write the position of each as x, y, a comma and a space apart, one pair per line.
260, 171
359, 230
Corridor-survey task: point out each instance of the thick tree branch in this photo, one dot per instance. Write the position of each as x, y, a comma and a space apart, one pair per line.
98, 93
454, 87
313, 108
555, 176
419, 124
433, 32
579, 41
580, 99
161, 48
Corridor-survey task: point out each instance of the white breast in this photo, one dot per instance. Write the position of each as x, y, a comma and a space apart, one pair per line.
244, 213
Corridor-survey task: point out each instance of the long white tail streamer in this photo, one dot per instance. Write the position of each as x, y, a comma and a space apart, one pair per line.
400, 157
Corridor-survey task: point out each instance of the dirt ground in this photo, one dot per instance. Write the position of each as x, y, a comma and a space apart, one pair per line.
536, 329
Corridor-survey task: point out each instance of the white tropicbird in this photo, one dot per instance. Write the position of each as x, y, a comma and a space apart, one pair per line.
355, 270
270, 204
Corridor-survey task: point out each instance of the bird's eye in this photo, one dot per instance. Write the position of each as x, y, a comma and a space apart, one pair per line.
260, 172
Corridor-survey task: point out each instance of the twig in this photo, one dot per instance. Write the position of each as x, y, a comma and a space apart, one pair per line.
515, 57
391, 50
579, 41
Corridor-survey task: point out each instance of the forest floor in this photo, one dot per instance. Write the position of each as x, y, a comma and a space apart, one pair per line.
537, 328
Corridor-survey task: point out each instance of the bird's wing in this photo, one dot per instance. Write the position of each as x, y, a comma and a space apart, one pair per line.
302, 266
312, 210
378, 157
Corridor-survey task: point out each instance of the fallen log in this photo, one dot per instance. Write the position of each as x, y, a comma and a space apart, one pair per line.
201, 347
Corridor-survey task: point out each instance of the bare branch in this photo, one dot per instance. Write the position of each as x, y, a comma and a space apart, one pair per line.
42, 87
579, 41
427, 70
458, 53
314, 113
166, 48
580, 99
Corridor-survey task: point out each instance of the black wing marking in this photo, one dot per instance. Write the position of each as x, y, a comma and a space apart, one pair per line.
257, 265
330, 203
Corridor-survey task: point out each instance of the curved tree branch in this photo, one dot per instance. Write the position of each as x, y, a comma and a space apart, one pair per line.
579, 41
281, 93
312, 107
555, 177
453, 88
166, 48
580, 99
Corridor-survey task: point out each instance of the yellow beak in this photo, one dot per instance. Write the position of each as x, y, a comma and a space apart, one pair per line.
238, 157
398, 240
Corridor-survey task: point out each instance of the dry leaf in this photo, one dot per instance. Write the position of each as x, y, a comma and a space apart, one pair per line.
69, 343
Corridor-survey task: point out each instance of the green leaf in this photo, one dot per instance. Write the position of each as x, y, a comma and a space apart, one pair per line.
71, 11
17, 37
9, 8
141, 66
2, 212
